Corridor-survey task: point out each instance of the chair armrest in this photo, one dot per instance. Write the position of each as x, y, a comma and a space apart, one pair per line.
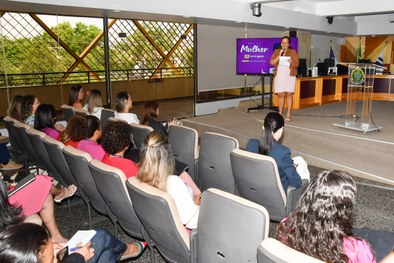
193, 246
293, 194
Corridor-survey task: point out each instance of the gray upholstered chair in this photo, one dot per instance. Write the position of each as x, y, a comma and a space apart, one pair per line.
78, 162
273, 251
184, 145
81, 112
55, 151
139, 133
214, 167
116, 196
258, 180
230, 228
159, 216
16, 144
36, 139
105, 115
68, 111
27, 148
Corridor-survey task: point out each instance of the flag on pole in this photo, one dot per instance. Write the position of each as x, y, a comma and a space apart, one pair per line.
359, 54
379, 60
334, 55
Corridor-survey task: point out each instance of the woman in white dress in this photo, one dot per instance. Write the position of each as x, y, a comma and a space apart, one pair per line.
123, 106
285, 72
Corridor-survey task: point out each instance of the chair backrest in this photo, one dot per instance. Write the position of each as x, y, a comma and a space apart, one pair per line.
68, 111
184, 145
36, 139
27, 148
258, 180
164, 225
214, 167
105, 115
81, 112
78, 161
116, 196
14, 139
139, 133
55, 151
274, 251
230, 228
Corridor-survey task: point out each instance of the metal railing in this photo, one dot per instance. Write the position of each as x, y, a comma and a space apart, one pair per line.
80, 77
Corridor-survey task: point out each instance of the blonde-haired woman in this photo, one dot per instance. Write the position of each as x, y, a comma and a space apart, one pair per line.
94, 104
156, 169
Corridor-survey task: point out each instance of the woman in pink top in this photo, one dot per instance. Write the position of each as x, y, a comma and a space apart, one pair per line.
45, 121
90, 144
321, 224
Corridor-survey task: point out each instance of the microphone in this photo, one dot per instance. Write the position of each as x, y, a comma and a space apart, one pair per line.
283, 51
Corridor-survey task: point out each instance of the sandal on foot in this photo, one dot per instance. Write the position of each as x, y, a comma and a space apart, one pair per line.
141, 248
71, 189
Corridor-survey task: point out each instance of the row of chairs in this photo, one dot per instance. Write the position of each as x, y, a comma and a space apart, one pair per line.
230, 228
226, 223
219, 163
69, 111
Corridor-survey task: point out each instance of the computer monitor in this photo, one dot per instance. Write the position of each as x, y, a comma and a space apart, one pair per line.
302, 69
322, 68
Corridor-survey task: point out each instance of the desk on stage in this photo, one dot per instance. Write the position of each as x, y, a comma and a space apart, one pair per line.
321, 90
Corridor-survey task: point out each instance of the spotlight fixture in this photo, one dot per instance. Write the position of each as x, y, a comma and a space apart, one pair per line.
256, 9
330, 19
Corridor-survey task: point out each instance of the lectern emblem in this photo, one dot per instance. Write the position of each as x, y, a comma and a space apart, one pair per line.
357, 76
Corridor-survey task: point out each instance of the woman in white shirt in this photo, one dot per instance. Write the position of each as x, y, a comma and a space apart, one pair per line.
156, 168
94, 104
123, 106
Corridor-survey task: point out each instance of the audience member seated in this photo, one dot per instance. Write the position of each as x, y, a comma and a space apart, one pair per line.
31, 243
14, 111
5, 158
34, 198
123, 106
76, 130
150, 116
94, 104
90, 144
156, 169
269, 145
321, 224
28, 110
76, 96
116, 140
45, 121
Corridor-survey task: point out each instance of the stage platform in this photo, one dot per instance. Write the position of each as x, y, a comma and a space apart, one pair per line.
312, 135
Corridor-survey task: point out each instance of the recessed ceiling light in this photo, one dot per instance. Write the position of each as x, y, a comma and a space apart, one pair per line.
116, 10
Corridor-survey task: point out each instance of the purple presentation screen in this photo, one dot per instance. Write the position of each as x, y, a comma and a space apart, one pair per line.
253, 54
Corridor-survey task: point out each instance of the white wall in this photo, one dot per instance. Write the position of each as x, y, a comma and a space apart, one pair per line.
216, 58
320, 47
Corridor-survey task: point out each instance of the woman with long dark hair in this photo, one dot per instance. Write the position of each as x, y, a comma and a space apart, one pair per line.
45, 121
321, 224
29, 106
269, 145
151, 114
76, 96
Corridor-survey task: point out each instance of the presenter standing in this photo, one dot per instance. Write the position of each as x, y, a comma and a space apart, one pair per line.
285, 60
